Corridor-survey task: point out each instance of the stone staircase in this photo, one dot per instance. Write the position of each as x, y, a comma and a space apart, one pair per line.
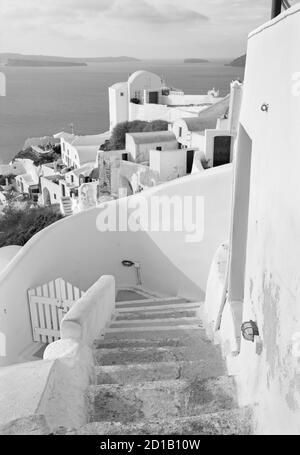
158, 373
66, 204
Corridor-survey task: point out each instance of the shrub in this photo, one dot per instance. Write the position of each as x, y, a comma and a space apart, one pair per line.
18, 226
39, 159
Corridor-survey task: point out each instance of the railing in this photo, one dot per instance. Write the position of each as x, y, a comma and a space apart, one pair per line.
89, 316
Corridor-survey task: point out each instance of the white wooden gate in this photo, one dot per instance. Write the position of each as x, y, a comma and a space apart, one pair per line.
48, 304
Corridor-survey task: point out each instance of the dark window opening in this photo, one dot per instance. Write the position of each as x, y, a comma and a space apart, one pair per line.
189, 161
153, 97
222, 150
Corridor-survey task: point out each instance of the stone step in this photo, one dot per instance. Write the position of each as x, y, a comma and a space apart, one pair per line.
157, 371
153, 333
161, 399
155, 324
155, 308
140, 343
202, 349
152, 302
162, 314
222, 423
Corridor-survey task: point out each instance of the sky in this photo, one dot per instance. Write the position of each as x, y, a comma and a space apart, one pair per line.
138, 28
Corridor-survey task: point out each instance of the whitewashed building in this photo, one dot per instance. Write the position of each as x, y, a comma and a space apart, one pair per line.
145, 96
79, 150
138, 145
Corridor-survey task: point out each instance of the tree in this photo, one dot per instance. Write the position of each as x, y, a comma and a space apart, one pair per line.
157, 125
17, 226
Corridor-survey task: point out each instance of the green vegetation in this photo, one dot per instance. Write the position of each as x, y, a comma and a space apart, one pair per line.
18, 226
117, 141
52, 155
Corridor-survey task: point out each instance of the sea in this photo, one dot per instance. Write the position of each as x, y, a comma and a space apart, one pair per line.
44, 101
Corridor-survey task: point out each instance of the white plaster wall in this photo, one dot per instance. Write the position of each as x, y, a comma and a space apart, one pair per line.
7, 253
137, 175
236, 96
198, 141
272, 282
140, 152
30, 168
180, 126
170, 164
53, 188
118, 105
48, 171
188, 100
144, 149
74, 249
15, 168
222, 124
149, 112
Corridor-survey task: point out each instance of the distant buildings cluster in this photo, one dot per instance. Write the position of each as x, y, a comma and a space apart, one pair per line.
201, 134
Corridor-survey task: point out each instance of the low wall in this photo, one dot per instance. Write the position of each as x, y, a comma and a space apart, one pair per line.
89, 316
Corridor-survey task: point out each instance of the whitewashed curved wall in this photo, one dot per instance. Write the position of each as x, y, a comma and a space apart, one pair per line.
75, 250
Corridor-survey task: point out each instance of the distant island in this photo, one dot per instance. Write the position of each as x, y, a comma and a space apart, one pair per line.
11, 59
195, 60
35, 63
238, 62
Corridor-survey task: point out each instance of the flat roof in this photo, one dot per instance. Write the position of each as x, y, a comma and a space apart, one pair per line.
153, 136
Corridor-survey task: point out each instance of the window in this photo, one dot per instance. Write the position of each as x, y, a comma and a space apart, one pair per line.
54, 196
159, 148
180, 132
122, 94
72, 178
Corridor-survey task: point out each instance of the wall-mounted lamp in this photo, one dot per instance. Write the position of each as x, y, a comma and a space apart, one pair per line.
127, 263
265, 107
137, 265
249, 330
